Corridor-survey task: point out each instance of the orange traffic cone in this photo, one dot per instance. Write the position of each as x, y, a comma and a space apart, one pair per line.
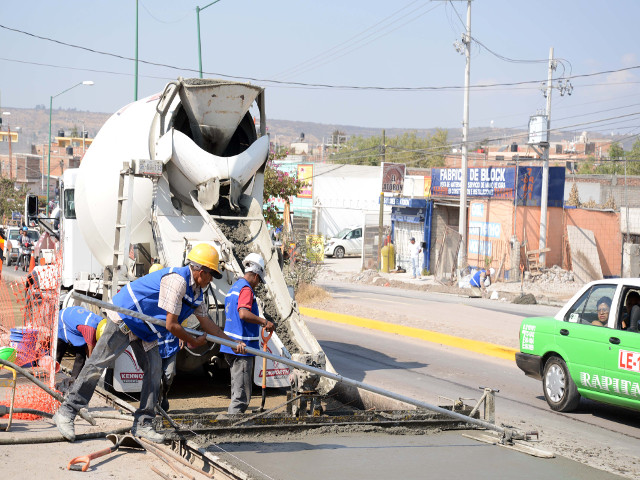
32, 263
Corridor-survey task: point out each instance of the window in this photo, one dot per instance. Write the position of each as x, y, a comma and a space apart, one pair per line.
69, 204
357, 233
593, 307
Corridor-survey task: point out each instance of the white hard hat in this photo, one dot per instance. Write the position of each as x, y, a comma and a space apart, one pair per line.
254, 263
492, 271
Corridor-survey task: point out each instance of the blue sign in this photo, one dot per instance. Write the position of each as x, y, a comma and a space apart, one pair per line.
530, 186
496, 182
16, 216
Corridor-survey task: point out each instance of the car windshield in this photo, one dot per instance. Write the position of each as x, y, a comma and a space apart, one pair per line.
14, 234
342, 233
33, 235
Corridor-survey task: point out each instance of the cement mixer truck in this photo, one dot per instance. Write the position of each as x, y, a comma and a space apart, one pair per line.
170, 171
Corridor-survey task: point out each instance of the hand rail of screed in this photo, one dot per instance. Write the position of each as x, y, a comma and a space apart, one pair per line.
333, 376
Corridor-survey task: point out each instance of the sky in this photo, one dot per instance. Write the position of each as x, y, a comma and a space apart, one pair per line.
317, 48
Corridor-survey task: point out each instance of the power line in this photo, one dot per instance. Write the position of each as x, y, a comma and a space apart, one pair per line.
318, 85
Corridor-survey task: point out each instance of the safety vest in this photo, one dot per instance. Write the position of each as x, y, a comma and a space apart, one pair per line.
142, 295
68, 321
168, 345
249, 333
475, 280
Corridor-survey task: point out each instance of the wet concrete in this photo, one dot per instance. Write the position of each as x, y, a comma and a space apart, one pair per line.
443, 455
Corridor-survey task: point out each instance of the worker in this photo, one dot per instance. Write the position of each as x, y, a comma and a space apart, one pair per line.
77, 330
168, 346
243, 323
482, 279
169, 294
2, 244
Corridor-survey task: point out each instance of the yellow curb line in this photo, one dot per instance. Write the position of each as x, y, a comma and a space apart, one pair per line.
485, 348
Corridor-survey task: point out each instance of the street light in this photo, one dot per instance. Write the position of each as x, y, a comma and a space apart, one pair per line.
198, 10
86, 82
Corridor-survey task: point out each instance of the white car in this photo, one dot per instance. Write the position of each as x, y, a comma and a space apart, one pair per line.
347, 241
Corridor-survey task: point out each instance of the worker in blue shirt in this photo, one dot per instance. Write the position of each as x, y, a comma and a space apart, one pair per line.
77, 329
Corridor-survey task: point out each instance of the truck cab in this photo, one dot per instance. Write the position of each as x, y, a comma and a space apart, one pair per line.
79, 267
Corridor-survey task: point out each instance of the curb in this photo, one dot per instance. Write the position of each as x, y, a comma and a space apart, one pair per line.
484, 348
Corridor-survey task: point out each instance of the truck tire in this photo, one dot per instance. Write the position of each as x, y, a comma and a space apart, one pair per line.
559, 389
339, 252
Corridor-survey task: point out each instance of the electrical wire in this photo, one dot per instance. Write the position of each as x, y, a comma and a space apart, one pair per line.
339, 46
319, 85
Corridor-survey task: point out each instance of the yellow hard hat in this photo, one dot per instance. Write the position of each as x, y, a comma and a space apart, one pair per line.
100, 328
207, 256
155, 267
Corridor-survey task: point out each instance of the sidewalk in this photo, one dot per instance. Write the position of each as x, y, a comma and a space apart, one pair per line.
546, 292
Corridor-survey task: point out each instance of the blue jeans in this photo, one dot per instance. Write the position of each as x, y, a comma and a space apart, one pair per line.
416, 269
111, 344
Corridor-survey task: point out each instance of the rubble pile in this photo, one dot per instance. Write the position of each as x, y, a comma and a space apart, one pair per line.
554, 275
366, 276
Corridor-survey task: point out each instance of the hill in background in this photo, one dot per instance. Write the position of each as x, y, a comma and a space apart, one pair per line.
34, 128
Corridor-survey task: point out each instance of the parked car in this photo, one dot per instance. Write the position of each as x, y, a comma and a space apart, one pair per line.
347, 241
575, 356
11, 244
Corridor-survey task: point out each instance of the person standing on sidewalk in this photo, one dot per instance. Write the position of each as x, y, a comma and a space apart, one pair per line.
243, 323
170, 294
416, 264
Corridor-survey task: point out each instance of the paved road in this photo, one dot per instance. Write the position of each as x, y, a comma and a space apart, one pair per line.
435, 373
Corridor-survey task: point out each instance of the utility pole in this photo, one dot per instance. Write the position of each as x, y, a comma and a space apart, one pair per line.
462, 222
135, 88
381, 216
545, 165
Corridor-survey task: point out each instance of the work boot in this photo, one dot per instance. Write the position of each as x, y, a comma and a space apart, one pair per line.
64, 422
164, 404
147, 431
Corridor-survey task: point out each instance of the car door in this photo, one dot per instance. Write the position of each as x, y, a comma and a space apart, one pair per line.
584, 344
355, 241
620, 383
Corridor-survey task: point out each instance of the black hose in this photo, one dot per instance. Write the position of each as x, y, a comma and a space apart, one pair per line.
22, 439
53, 393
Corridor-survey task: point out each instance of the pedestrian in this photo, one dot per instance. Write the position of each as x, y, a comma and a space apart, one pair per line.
77, 330
24, 243
416, 265
243, 323
170, 294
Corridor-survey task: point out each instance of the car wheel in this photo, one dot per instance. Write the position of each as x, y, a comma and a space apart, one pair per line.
339, 252
559, 389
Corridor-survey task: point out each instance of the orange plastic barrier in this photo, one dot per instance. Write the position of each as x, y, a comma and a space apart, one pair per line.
28, 312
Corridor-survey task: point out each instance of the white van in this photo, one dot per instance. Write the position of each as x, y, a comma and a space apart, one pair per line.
347, 241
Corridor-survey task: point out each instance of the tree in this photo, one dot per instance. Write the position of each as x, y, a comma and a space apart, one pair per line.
407, 148
278, 185
616, 152
11, 200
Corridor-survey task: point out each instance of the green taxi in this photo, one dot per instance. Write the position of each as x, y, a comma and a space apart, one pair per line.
590, 348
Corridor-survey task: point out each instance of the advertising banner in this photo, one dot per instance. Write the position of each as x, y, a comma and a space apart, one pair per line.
530, 186
496, 182
393, 177
305, 173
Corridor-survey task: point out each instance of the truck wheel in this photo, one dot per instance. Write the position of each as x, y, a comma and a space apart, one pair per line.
339, 252
559, 389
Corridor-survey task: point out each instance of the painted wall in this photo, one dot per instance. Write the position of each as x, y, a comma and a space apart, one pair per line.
528, 228
490, 231
606, 230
